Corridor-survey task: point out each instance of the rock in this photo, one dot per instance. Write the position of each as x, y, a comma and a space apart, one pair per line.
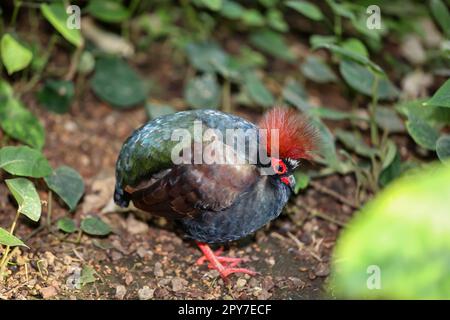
135, 226
178, 284
145, 293
412, 50
144, 253
433, 37
241, 283
101, 191
415, 84
322, 270
128, 278
48, 292
158, 271
120, 292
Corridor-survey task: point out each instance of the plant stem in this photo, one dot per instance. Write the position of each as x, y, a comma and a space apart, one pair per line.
49, 208
5, 257
74, 63
338, 25
17, 5
372, 112
226, 96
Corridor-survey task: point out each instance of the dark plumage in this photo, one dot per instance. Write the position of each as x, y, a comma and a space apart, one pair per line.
212, 202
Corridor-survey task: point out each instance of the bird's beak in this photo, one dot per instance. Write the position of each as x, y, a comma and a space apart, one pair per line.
290, 181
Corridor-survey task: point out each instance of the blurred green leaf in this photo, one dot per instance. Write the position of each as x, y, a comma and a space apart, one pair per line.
361, 79
7, 239
57, 95
116, 83
440, 98
306, 8
86, 63
157, 110
15, 56
252, 18
232, 9
272, 43
24, 161
356, 46
414, 244
295, 94
19, 123
387, 119
95, 226
257, 91
301, 181
327, 145
108, 10
333, 114
391, 171
67, 184
67, 225
441, 14
213, 5
317, 70
203, 92
317, 40
55, 13
206, 56
443, 148
355, 143
275, 19
422, 132
87, 275
26, 196
341, 9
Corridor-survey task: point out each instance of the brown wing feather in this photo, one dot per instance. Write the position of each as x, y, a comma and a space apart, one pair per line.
186, 190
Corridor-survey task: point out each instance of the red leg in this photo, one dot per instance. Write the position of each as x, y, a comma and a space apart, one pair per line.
217, 262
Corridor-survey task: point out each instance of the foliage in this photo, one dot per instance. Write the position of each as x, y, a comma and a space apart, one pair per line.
411, 252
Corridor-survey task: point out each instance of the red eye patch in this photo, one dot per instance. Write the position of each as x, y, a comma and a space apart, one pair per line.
279, 166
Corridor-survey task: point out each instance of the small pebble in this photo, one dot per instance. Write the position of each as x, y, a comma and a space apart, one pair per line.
145, 293
120, 292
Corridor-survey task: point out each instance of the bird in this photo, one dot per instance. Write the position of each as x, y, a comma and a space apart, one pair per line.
214, 202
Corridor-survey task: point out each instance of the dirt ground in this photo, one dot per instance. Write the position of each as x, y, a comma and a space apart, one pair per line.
149, 259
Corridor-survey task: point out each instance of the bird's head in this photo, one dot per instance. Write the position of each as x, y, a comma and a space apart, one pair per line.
289, 138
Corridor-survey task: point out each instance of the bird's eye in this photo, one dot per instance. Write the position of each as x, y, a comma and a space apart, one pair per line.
279, 166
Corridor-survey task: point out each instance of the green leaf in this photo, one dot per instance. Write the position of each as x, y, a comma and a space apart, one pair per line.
275, 19
157, 110
95, 226
67, 225
272, 43
422, 132
440, 98
391, 171
86, 63
24, 161
301, 181
307, 9
257, 91
356, 46
295, 94
443, 148
352, 55
15, 56
19, 123
316, 70
341, 9
403, 233
67, 184
213, 5
354, 142
441, 14
55, 13
7, 239
317, 40
116, 83
57, 95
203, 92
333, 114
327, 145
108, 10
232, 9
206, 56
387, 119
361, 79
252, 18
26, 196
87, 275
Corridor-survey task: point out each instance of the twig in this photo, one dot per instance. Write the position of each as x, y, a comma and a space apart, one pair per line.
334, 194
316, 213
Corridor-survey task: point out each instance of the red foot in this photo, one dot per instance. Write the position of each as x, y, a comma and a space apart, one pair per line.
225, 265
